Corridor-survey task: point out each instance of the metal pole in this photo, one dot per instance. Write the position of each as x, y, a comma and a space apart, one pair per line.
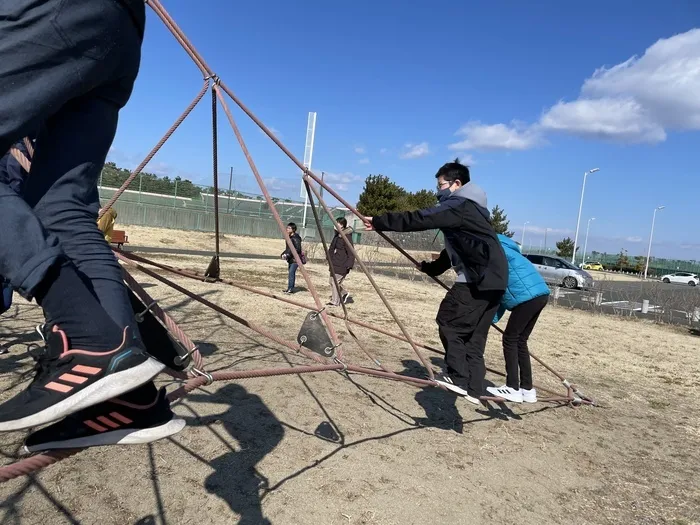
140, 184
230, 181
175, 199
522, 238
651, 236
585, 245
323, 178
545, 239
578, 222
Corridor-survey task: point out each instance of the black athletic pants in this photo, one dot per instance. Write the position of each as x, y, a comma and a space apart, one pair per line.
463, 319
520, 324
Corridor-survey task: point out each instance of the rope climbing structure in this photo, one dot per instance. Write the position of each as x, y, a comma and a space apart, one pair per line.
318, 339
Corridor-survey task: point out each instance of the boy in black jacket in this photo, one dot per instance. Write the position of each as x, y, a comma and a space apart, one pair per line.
473, 250
343, 260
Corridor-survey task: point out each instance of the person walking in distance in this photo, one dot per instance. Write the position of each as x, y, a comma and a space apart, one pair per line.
342, 260
526, 296
287, 255
68, 67
472, 249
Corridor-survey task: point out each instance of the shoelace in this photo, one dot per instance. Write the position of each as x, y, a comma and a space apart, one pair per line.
44, 363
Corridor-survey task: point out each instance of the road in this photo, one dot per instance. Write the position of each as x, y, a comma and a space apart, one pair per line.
667, 302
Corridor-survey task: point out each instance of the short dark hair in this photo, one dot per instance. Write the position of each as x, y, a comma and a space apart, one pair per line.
342, 221
453, 171
293, 226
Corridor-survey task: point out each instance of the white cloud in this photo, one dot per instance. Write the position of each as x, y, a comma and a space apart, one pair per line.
341, 181
360, 150
383, 151
636, 101
464, 159
363, 161
415, 151
541, 230
278, 184
273, 130
605, 118
515, 136
633, 239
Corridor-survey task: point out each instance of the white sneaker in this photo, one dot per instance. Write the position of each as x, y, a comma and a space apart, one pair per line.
507, 393
529, 396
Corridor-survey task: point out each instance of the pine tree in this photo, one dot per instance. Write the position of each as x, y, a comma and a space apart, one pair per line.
500, 222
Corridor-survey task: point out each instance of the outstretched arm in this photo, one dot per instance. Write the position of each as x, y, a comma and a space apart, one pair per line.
445, 215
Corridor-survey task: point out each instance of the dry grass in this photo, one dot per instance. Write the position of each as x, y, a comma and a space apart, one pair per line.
262, 450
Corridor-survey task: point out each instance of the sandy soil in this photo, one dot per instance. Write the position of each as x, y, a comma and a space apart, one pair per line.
330, 449
190, 240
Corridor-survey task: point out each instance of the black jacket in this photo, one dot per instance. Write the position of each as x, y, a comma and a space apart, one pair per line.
137, 12
287, 253
341, 257
471, 244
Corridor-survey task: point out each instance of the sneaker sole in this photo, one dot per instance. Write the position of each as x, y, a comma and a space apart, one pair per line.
117, 437
454, 388
529, 400
504, 396
106, 388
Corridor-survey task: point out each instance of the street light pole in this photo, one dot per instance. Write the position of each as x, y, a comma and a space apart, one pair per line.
580, 208
522, 238
230, 181
585, 244
651, 236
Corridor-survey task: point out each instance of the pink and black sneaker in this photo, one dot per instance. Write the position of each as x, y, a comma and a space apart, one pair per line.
114, 422
68, 380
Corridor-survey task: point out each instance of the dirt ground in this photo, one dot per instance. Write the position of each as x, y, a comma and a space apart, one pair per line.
189, 240
334, 450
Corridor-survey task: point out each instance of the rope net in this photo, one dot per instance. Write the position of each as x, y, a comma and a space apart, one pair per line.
195, 376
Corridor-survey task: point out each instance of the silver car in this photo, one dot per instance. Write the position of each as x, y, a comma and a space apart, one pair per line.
557, 271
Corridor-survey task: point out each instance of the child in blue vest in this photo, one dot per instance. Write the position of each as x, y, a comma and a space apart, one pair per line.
526, 297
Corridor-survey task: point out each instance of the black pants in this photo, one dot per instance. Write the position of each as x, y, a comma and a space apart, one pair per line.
520, 324
463, 319
69, 66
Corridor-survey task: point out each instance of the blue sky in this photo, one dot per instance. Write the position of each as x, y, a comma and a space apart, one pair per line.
531, 95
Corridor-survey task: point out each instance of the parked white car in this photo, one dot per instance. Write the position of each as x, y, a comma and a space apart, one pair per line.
690, 279
557, 271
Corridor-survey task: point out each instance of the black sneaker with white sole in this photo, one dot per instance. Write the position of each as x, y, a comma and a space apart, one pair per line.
456, 385
114, 422
68, 380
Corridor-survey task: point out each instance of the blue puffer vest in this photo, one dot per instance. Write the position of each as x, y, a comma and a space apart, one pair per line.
524, 281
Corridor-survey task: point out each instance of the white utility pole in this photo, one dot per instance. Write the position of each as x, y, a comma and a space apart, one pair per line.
308, 154
580, 207
651, 236
585, 244
522, 238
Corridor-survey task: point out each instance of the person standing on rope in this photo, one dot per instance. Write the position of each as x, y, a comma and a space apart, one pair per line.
289, 257
70, 66
473, 250
526, 296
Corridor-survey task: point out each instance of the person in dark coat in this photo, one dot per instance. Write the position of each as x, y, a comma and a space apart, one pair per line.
472, 249
342, 260
287, 256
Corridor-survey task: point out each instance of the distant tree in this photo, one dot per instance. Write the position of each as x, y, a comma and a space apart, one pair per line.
622, 259
565, 247
639, 263
380, 195
418, 200
500, 222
